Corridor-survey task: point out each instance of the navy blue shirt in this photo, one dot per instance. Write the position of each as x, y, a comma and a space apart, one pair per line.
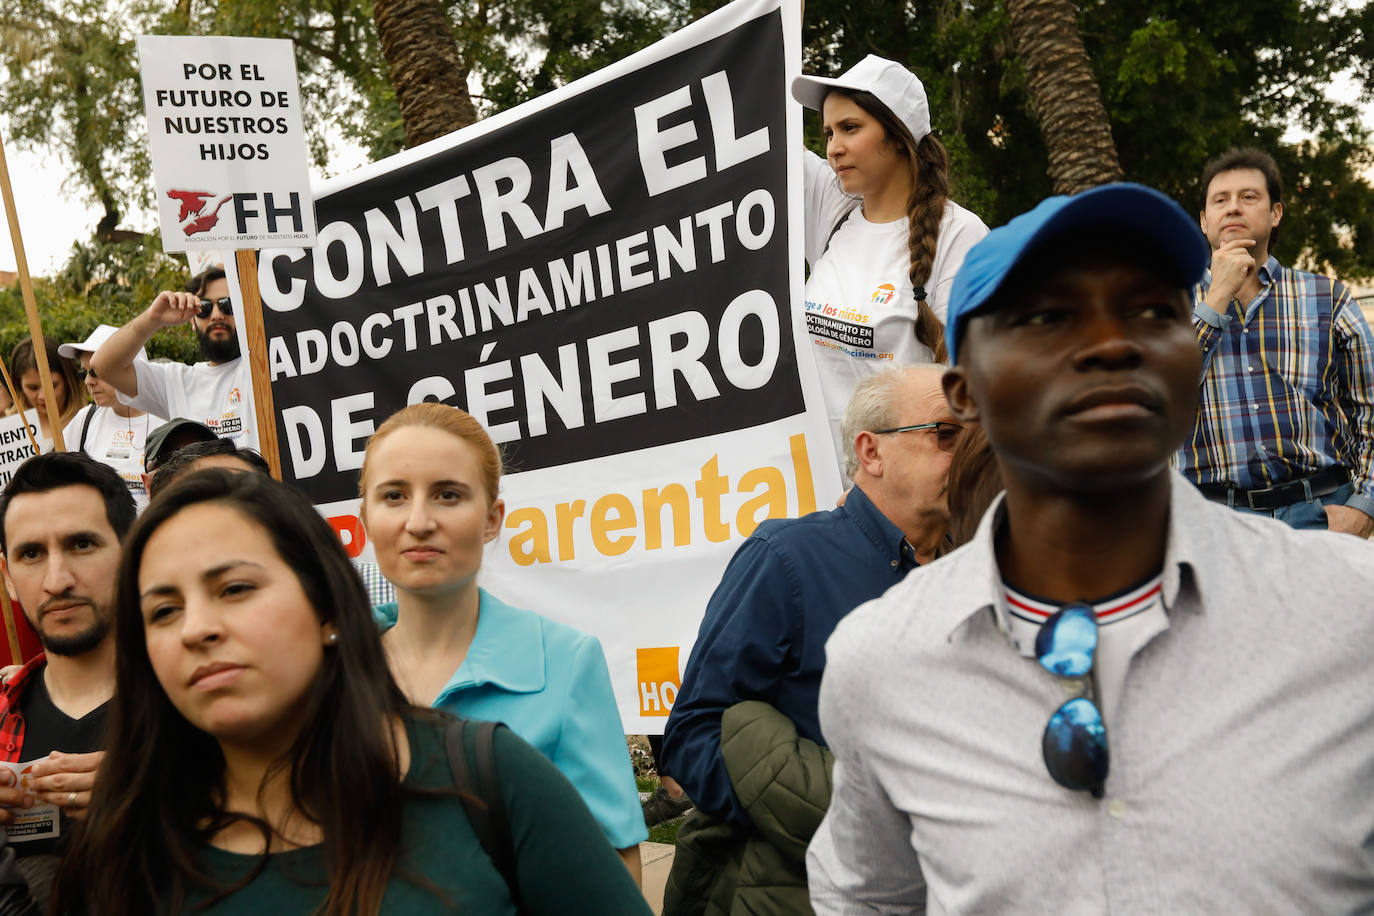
763, 637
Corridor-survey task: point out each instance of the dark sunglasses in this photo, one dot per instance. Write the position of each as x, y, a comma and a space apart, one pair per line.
226, 306
83, 373
946, 434
1075, 740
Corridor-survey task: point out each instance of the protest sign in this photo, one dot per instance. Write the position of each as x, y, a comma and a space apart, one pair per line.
605, 278
16, 446
228, 147
41, 822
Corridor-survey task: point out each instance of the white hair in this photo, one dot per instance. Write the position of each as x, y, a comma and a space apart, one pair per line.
873, 405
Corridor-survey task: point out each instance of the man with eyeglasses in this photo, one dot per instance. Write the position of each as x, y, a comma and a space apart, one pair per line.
1119, 696
743, 738
217, 391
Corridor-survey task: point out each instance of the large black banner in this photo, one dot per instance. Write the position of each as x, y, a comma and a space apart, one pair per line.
590, 274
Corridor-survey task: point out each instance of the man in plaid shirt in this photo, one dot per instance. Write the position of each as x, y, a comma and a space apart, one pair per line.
62, 517
1286, 425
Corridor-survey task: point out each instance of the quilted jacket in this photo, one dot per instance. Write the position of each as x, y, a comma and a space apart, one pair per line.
783, 781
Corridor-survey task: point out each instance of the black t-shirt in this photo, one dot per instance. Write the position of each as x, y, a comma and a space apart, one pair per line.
46, 729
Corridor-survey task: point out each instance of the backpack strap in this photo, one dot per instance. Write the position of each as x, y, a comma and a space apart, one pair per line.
85, 428
490, 781
482, 799
835, 229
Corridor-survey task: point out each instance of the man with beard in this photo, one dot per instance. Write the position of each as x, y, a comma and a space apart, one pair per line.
62, 518
217, 392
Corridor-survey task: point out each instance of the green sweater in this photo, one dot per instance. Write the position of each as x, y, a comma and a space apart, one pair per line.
565, 864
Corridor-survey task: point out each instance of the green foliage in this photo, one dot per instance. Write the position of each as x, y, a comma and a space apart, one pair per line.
1182, 82
345, 84
72, 87
521, 49
101, 284
666, 832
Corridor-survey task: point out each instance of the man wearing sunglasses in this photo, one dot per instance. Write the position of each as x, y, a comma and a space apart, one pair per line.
1119, 696
217, 391
748, 700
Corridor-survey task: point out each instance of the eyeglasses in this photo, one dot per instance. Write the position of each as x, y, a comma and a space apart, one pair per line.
946, 434
1075, 739
226, 306
82, 374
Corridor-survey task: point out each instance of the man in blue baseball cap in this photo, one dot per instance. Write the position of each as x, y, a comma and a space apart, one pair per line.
1117, 697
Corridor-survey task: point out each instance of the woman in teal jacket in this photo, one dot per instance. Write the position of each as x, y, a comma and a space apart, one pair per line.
429, 484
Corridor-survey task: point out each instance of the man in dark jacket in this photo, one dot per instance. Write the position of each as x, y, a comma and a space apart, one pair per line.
743, 738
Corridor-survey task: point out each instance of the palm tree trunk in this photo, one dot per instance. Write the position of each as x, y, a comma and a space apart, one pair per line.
1064, 94
427, 71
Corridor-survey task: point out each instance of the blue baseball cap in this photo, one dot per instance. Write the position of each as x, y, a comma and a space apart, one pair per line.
1143, 213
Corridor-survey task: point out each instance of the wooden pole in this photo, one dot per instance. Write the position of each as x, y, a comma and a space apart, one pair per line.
40, 352
14, 396
12, 631
265, 413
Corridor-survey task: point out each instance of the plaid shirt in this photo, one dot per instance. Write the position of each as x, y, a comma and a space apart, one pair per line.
11, 721
1287, 386
379, 588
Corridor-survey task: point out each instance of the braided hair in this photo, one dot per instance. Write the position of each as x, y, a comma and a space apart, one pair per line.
928, 162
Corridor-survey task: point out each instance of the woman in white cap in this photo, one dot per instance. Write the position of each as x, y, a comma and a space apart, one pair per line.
883, 239
110, 432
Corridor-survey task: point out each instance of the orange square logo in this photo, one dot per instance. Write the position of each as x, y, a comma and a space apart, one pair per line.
659, 680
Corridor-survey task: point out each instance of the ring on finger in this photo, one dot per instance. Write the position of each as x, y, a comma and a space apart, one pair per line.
71, 800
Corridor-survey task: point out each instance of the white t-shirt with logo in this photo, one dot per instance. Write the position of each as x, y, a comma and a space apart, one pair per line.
219, 396
116, 441
860, 307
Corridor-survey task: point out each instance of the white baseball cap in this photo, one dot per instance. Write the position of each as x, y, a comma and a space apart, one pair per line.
893, 85
92, 343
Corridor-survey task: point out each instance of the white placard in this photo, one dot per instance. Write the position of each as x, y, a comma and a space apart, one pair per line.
15, 446
228, 147
40, 822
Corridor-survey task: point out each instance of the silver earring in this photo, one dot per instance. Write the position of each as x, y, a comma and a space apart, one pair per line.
331, 638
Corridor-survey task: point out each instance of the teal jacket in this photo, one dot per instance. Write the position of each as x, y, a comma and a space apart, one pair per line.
783, 781
549, 684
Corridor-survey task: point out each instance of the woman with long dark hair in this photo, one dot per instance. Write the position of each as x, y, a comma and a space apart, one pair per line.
262, 760
883, 238
66, 387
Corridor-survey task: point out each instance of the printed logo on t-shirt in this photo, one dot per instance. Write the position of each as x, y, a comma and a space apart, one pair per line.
234, 395
846, 332
884, 294
121, 445
227, 425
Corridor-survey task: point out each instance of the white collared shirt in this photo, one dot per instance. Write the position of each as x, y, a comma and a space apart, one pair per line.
1242, 752
1125, 623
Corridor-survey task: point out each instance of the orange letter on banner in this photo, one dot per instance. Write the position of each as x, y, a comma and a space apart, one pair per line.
801, 470
659, 681
530, 544
350, 533
773, 500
